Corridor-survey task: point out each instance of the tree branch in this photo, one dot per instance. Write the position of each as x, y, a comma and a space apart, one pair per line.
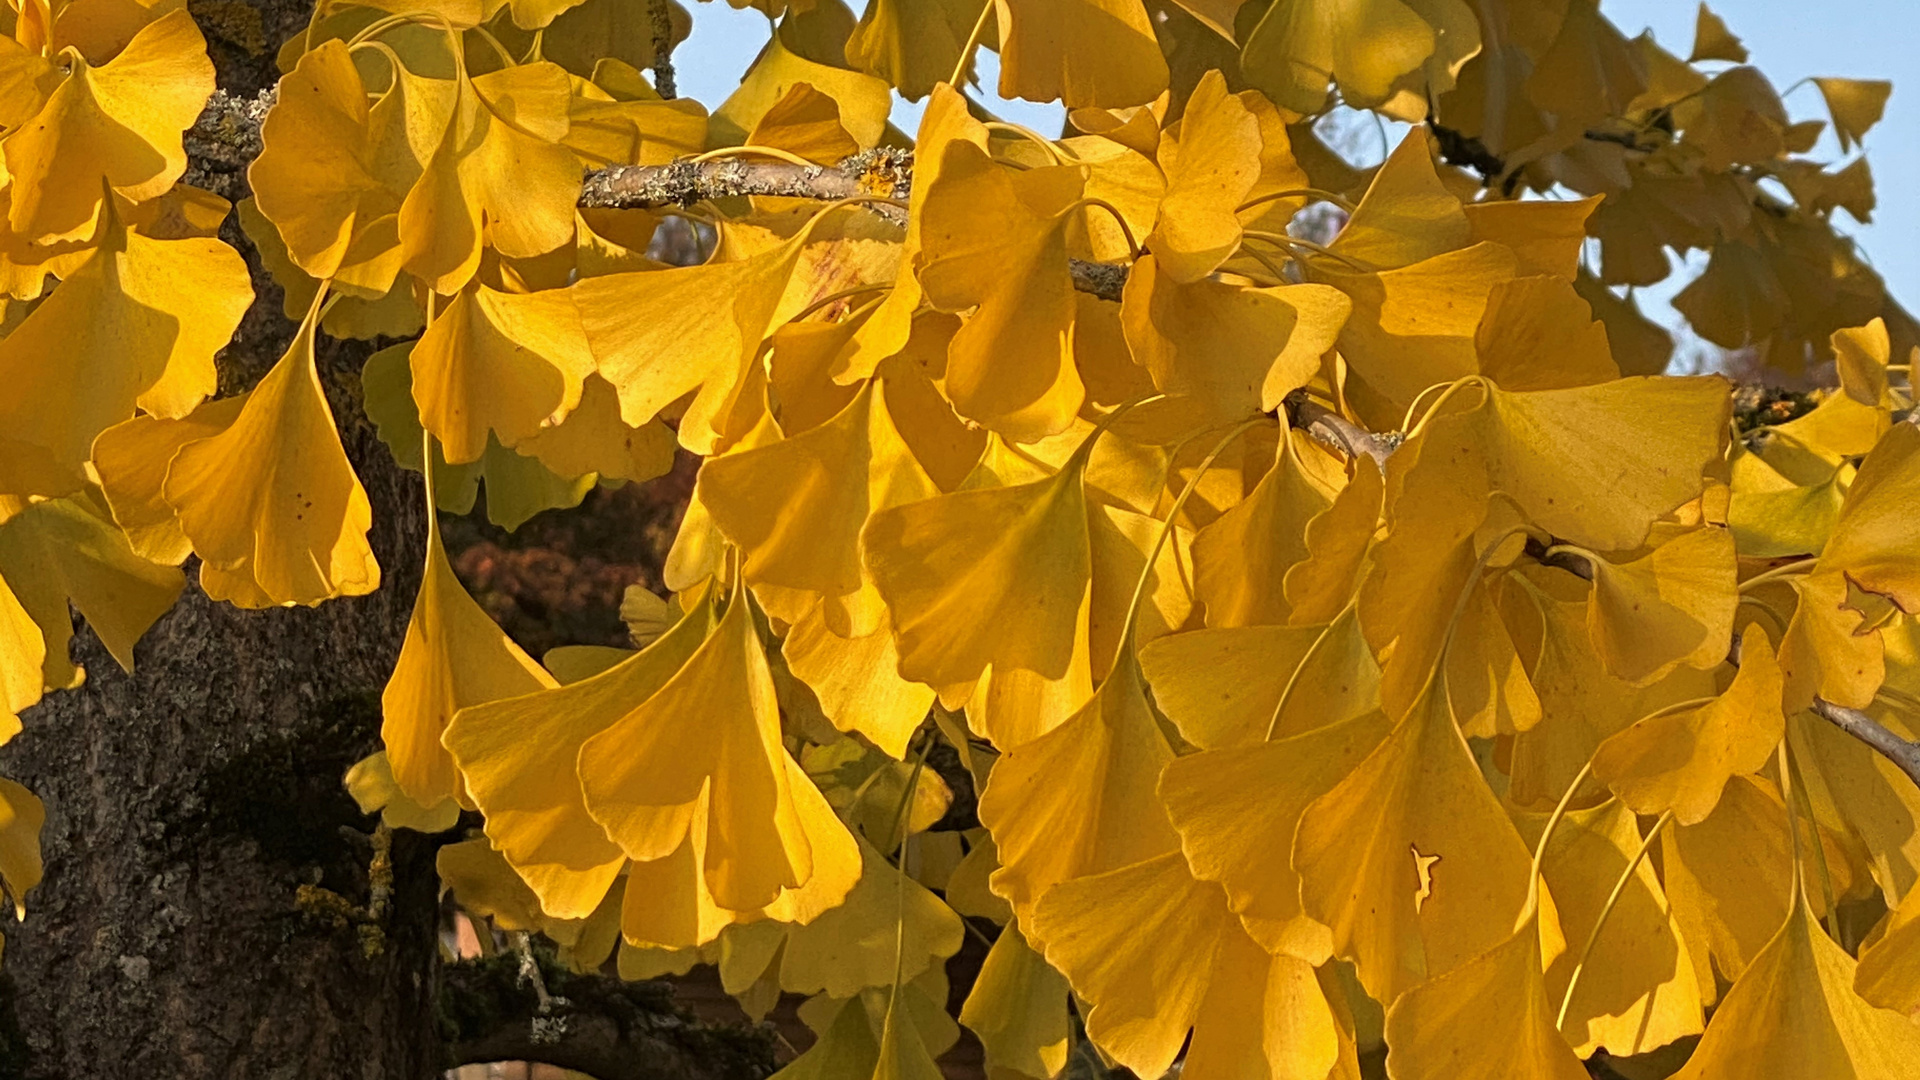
661, 18
226, 139
590, 1023
1342, 434
1904, 754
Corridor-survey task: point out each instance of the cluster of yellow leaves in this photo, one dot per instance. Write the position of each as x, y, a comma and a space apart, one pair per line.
1289, 745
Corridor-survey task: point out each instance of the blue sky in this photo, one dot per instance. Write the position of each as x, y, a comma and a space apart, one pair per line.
1789, 40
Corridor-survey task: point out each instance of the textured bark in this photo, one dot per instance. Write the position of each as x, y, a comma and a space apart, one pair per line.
187, 803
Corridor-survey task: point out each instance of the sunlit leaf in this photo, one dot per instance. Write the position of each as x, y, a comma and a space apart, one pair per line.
117, 125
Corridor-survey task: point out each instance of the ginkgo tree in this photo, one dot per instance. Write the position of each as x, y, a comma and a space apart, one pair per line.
1361, 651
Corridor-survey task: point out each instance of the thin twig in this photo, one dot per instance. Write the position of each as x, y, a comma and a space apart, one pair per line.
1342, 434
1903, 753
662, 17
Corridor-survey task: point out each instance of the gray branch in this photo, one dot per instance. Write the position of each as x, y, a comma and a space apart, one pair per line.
883, 172
1903, 753
226, 139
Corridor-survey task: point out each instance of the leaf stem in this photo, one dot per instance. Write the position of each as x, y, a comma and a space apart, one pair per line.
1166, 532
956, 80
1415, 428
1793, 820
1546, 834
840, 294
1286, 693
1798, 566
1613, 898
1052, 149
751, 150
1803, 803
1118, 219
1282, 240
1322, 194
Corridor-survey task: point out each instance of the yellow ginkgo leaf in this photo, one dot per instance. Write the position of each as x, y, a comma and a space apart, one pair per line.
1487, 1017
1640, 345
594, 439
333, 170
1637, 989
1013, 706
508, 184
1889, 972
1875, 535
991, 576
1824, 650
863, 100
658, 334
115, 126
1211, 160
1539, 334
484, 885
138, 322
1154, 952
715, 726
23, 649
1018, 1008
1441, 867
1713, 41
903, 1055
805, 122
857, 680
1737, 117
994, 241
1413, 326
1680, 760
517, 759
1584, 702
1794, 1015
1085, 53
1407, 215
1867, 791
453, 656
1671, 606
857, 944
1487, 685
1220, 686
1338, 542
28, 77
1240, 561
1591, 463
1364, 46
1856, 105
1547, 236
510, 363
22, 815
372, 786
635, 127
1231, 808
1730, 878
1077, 800
131, 459
64, 552
795, 508
1234, 349
666, 903
911, 44
272, 497
1590, 72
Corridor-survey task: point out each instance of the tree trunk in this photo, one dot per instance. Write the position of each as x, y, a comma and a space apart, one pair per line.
189, 802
